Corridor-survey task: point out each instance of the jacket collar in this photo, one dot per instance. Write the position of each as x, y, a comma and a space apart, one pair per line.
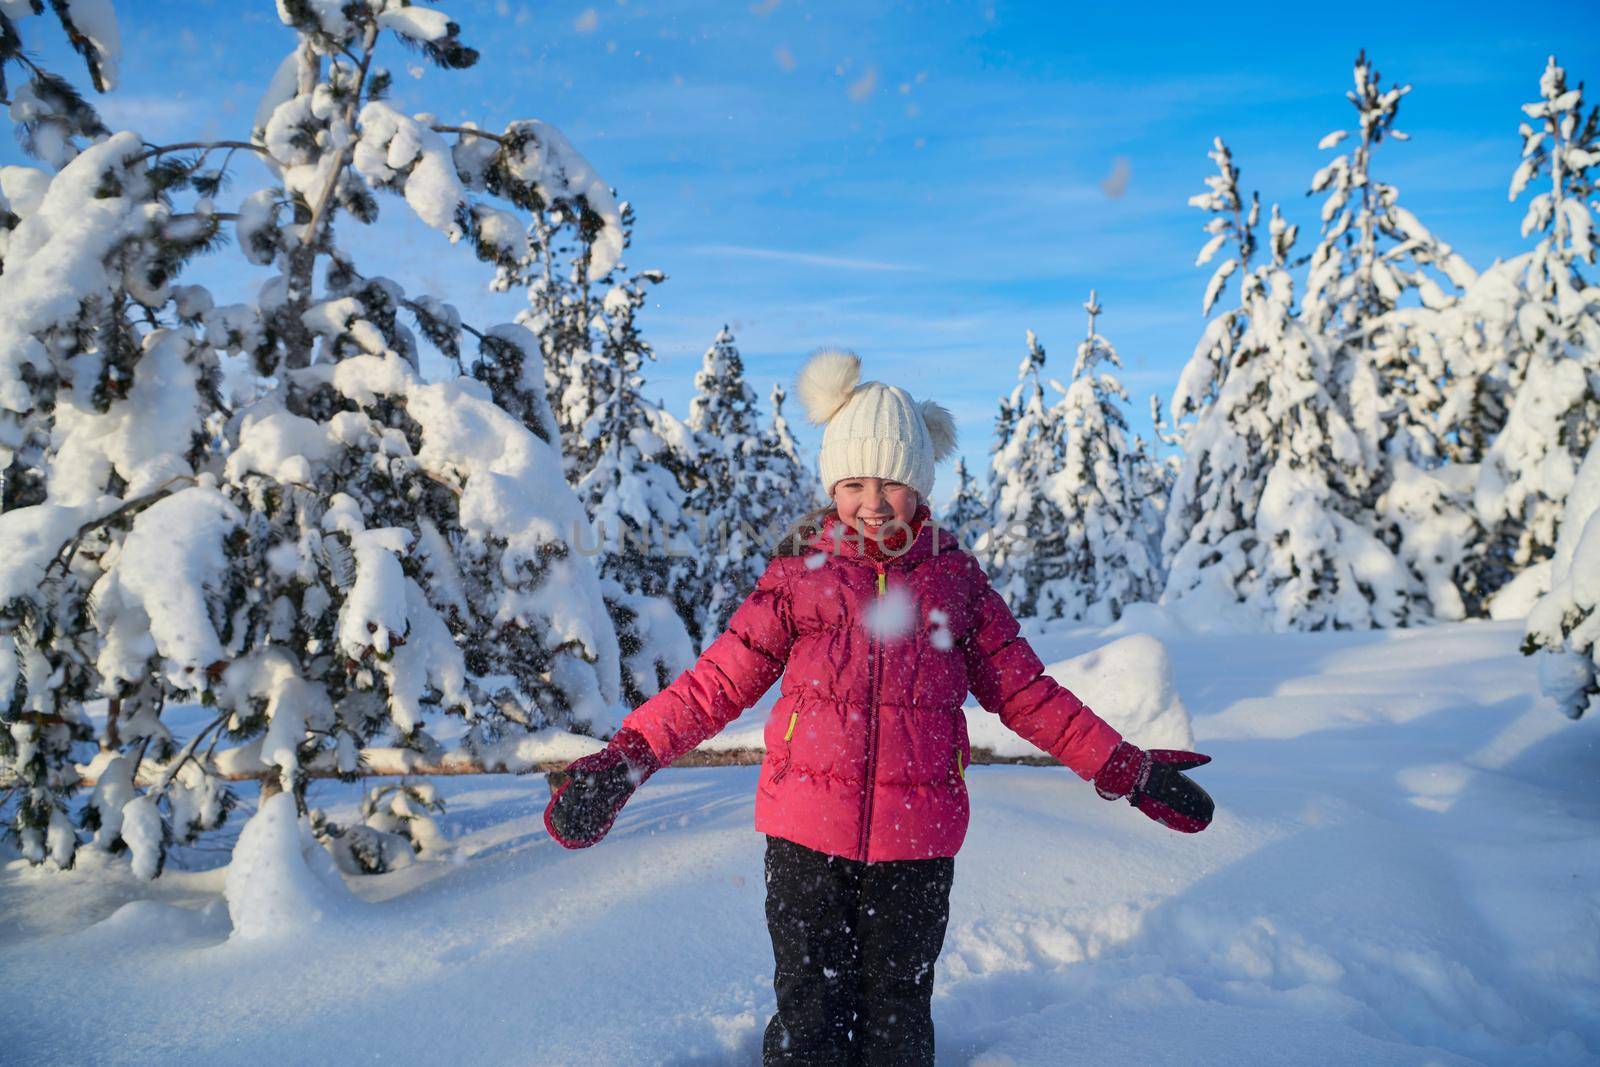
837, 539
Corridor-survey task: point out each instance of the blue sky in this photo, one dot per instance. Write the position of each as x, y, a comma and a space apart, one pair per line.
922, 182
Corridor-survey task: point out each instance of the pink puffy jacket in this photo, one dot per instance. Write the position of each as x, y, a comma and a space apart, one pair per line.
866, 748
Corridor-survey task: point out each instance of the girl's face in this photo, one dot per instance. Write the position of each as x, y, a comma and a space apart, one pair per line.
865, 504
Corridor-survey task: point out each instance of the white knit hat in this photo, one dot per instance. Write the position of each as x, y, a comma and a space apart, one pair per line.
873, 430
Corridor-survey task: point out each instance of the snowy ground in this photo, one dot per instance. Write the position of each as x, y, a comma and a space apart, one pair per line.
1405, 869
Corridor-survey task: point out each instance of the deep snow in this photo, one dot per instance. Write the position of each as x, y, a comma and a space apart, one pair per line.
1405, 869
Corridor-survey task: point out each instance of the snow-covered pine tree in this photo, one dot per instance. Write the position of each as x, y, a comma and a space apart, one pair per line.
1553, 366
1026, 547
413, 577
630, 460
356, 550
1109, 561
1210, 511
582, 309
1265, 513
724, 405
1372, 253
1151, 487
107, 403
561, 308
573, 292
800, 489
738, 487
637, 460
1565, 623
967, 516
573, 261
1232, 228
1232, 231
1476, 339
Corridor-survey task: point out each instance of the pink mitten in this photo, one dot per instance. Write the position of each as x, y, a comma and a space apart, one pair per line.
1154, 783
582, 810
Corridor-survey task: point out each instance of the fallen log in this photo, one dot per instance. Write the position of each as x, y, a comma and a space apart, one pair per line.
395, 763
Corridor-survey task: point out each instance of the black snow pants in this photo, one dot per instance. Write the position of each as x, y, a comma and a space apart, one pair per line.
854, 945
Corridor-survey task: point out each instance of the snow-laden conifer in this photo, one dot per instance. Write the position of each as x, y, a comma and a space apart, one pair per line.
801, 489
108, 404
1266, 524
725, 486
352, 552
1109, 560
967, 516
1150, 487
629, 459
1024, 549
1231, 229
636, 461
741, 486
1552, 316
423, 540
1371, 254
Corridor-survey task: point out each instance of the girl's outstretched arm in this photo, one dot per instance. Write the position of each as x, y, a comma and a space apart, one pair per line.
1008, 678
732, 673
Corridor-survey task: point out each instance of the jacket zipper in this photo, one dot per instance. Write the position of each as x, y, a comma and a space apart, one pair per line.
783, 768
874, 669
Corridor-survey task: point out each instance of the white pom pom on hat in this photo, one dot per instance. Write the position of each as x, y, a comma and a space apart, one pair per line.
872, 430
826, 382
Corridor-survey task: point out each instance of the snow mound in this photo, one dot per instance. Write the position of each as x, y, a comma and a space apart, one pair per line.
281, 880
1128, 683
150, 923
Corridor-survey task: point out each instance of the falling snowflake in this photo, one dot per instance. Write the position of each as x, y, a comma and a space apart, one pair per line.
940, 637
891, 615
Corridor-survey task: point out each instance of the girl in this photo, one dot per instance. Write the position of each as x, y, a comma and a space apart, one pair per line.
879, 625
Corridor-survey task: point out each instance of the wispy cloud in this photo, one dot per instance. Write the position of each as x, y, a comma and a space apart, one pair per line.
149, 115
808, 258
